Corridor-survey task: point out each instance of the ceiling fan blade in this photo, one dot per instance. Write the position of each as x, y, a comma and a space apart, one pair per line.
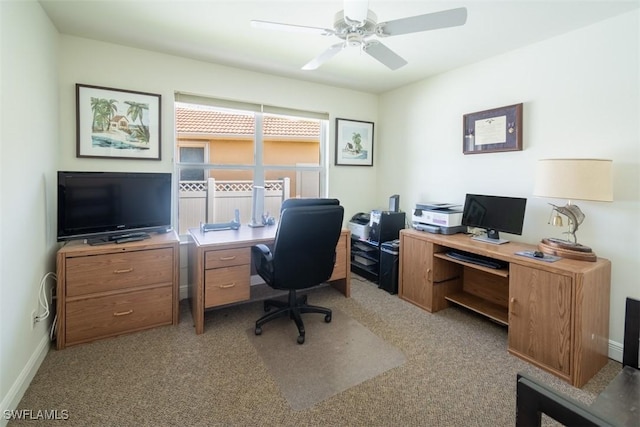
266, 25
323, 57
429, 21
356, 10
385, 55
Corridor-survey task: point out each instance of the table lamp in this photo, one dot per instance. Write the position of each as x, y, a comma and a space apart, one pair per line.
572, 179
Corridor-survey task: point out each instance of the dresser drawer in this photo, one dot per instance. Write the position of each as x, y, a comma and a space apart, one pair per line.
227, 258
226, 285
94, 318
340, 267
121, 270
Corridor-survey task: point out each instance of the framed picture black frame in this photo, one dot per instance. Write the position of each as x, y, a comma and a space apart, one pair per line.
117, 123
491, 131
354, 143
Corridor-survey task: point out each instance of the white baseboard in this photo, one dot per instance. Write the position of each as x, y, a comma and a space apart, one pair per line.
615, 351
17, 390
184, 292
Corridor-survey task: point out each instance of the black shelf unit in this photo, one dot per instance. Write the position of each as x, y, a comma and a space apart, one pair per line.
365, 259
365, 254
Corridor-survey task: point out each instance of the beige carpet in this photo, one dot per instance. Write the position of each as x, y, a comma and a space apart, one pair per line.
335, 356
458, 372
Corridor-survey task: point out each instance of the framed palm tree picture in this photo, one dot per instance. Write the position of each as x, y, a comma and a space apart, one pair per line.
116, 123
354, 143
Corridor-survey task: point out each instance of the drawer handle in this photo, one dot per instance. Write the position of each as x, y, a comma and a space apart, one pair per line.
122, 313
227, 258
230, 285
126, 270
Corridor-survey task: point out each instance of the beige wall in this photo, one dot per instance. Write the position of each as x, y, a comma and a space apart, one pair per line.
84, 61
28, 164
581, 96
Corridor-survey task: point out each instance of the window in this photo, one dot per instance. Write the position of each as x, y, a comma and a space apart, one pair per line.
225, 149
192, 152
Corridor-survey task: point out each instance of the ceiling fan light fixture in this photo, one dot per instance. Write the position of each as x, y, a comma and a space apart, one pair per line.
356, 12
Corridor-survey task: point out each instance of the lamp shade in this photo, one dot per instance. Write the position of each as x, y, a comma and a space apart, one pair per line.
574, 179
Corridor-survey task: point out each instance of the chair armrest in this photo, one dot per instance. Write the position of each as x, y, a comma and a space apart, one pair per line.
262, 251
534, 398
263, 261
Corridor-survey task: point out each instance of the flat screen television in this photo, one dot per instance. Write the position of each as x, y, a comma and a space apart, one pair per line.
110, 206
494, 214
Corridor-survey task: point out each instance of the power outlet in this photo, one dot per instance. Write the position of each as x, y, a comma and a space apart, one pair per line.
34, 319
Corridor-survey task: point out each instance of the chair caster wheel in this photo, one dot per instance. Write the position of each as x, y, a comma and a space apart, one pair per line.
327, 318
258, 330
300, 339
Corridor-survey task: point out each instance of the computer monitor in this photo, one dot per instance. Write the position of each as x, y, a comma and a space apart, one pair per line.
494, 214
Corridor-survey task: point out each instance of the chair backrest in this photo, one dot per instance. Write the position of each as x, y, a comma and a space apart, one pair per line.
296, 203
304, 250
631, 346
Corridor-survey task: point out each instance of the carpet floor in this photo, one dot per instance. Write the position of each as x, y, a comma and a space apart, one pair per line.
335, 356
456, 372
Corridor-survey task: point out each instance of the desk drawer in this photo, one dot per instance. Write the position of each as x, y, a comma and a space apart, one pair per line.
101, 317
227, 258
99, 273
340, 267
226, 285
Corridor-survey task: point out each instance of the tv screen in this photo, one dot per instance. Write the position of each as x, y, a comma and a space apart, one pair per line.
107, 205
494, 214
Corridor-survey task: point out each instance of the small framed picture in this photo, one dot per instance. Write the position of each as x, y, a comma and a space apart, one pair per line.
117, 123
492, 131
354, 143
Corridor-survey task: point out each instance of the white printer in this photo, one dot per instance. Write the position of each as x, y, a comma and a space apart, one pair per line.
359, 226
442, 218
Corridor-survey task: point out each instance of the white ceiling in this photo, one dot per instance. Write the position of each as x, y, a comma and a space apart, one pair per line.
218, 31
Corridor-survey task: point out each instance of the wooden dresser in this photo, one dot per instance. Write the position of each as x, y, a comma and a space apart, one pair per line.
557, 313
114, 289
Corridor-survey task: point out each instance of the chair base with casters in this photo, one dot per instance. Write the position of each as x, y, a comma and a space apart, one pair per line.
293, 308
303, 256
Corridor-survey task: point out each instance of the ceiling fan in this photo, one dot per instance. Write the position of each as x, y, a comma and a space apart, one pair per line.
357, 26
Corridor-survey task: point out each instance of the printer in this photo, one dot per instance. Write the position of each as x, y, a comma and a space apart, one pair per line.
359, 226
442, 218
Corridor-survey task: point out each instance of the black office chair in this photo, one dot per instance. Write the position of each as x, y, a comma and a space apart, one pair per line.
303, 255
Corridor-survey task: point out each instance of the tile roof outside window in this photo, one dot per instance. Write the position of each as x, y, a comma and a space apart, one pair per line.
190, 121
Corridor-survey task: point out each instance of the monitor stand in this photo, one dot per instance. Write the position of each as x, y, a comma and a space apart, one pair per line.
492, 237
486, 239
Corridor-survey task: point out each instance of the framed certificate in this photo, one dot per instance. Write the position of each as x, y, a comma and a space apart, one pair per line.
490, 131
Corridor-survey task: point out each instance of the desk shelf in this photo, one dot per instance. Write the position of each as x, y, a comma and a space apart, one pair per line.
502, 272
482, 306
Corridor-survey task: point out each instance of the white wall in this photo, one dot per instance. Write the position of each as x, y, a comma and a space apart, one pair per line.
28, 160
581, 99
102, 64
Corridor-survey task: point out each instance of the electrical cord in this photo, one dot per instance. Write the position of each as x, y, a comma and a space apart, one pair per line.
42, 297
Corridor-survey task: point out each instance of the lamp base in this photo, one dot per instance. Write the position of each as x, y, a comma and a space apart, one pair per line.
566, 249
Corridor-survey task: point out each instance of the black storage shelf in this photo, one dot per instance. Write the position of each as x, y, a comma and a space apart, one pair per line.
369, 251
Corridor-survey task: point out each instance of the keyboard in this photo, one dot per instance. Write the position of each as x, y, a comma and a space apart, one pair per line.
477, 259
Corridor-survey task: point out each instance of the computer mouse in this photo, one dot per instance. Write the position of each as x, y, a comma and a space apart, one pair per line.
538, 254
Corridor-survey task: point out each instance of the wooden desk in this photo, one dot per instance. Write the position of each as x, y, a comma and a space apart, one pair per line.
220, 267
557, 312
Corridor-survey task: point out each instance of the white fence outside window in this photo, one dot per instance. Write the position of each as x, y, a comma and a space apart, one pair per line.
214, 201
